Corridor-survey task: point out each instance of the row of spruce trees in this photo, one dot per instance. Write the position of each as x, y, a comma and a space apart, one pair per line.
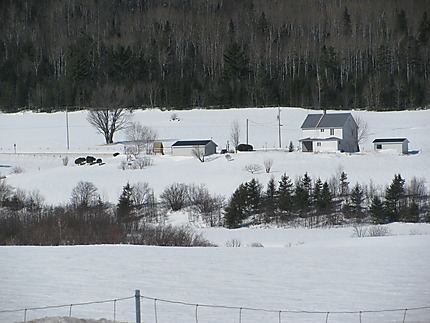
316, 203
337, 54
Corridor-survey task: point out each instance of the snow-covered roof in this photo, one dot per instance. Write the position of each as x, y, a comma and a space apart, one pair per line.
326, 120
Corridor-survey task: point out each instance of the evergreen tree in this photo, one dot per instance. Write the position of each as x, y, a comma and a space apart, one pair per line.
394, 198
270, 200
301, 198
317, 193
325, 200
235, 212
377, 211
235, 63
306, 182
347, 26
343, 185
284, 193
254, 192
413, 213
356, 201
125, 205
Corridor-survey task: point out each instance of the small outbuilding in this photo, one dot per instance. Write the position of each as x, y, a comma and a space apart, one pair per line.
398, 144
158, 148
186, 147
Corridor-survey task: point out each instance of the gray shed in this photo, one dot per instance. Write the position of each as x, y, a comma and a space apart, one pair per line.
398, 144
186, 147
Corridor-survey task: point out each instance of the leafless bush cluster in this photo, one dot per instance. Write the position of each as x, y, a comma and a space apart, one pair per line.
136, 163
233, 243
361, 231
17, 170
253, 168
168, 235
200, 203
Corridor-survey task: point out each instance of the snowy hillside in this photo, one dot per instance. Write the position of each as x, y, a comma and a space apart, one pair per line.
295, 272
41, 144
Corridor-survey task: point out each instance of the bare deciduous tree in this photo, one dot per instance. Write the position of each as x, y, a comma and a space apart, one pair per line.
109, 113
141, 136
235, 134
362, 130
85, 194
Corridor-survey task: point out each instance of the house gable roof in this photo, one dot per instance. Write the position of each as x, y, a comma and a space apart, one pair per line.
192, 143
387, 140
326, 120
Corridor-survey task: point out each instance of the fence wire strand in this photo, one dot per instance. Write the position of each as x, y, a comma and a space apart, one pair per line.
197, 306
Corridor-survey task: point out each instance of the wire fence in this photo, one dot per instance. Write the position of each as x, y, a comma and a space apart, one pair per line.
152, 312
69, 306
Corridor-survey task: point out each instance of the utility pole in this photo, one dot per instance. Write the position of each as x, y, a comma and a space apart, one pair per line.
279, 126
67, 129
247, 131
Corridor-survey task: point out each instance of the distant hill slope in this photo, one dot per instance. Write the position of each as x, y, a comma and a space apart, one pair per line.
243, 53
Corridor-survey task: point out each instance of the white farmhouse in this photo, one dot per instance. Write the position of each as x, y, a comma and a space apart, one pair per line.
186, 147
329, 132
398, 144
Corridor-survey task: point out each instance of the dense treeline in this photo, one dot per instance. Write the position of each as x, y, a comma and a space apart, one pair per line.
139, 219
187, 53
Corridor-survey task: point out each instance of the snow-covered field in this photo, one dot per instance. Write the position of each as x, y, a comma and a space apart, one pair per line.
318, 270
41, 144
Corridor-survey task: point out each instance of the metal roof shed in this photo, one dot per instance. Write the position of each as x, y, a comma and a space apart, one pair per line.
398, 144
186, 147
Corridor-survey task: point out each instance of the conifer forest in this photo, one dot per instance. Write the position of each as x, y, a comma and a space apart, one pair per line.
339, 54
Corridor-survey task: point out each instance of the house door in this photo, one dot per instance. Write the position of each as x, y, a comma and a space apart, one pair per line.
307, 146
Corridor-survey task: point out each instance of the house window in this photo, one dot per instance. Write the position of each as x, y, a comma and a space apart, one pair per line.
331, 132
378, 146
318, 144
322, 130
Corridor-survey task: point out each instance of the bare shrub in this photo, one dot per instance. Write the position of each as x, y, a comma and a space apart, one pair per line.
379, 231
138, 163
65, 161
256, 245
199, 154
141, 162
204, 205
252, 168
268, 163
233, 243
175, 196
17, 170
360, 231
169, 235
